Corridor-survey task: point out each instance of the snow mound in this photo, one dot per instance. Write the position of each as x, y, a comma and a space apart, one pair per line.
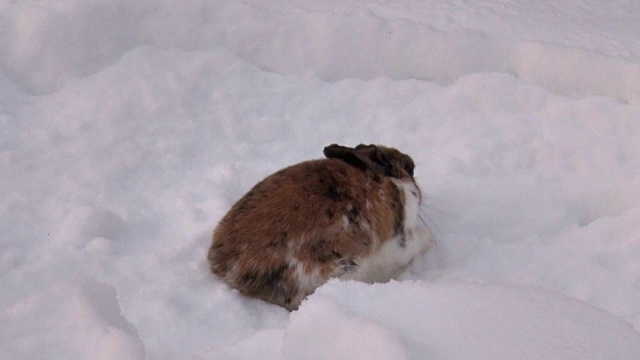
91, 228
418, 320
49, 44
324, 330
76, 320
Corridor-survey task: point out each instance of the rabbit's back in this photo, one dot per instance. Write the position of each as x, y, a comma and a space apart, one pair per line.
300, 226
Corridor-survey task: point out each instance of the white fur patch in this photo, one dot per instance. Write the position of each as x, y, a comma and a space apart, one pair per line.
345, 222
412, 203
391, 258
306, 281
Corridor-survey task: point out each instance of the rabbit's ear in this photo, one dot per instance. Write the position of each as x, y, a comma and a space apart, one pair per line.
363, 157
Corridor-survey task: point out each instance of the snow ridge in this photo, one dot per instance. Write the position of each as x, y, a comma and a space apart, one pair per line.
364, 43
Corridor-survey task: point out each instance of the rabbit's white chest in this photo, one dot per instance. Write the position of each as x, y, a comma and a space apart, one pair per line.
391, 259
396, 253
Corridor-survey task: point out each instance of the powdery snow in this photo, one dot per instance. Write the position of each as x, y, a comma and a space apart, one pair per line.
128, 129
76, 319
416, 320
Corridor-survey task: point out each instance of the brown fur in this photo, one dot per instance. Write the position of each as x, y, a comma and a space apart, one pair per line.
321, 214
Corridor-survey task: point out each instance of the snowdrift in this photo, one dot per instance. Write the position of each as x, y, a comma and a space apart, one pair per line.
49, 45
416, 320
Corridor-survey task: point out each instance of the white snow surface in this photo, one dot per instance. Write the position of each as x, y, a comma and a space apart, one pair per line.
415, 320
129, 128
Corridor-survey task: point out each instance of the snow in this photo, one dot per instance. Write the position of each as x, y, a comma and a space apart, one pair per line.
75, 319
416, 320
128, 129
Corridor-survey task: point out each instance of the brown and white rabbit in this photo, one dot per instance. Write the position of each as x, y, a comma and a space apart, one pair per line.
350, 216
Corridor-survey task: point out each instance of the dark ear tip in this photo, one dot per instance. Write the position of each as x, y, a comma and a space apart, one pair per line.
331, 150
366, 146
328, 150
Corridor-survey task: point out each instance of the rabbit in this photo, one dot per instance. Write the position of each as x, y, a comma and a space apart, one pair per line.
351, 216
